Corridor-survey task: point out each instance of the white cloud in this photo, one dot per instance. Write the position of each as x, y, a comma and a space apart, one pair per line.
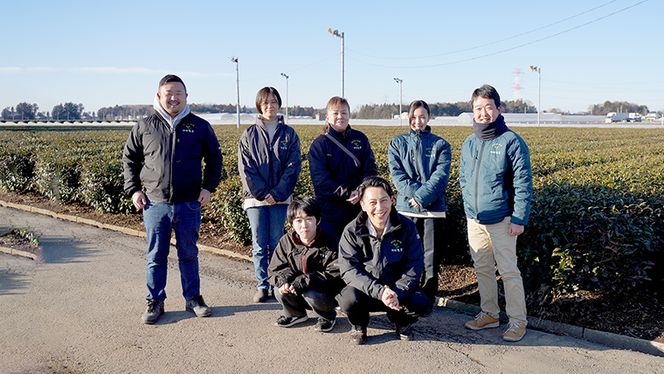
115, 70
101, 70
10, 69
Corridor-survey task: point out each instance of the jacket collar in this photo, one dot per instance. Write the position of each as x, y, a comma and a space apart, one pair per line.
339, 135
427, 130
295, 238
361, 228
259, 121
172, 122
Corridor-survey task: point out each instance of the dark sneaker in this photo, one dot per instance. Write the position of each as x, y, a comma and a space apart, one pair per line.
324, 324
261, 295
405, 332
284, 321
198, 307
154, 310
358, 335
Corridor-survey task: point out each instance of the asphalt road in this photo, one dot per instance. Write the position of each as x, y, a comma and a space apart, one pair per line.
79, 310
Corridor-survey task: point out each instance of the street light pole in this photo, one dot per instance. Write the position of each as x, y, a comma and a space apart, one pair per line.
400, 81
237, 88
286, 76
538, 69
340, 34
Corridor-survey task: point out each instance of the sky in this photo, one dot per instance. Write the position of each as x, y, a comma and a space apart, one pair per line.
105, 53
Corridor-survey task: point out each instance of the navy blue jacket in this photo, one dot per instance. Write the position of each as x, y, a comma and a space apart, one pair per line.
334, 174
495, 178
420, 168
395, 260
168, 164
269, 167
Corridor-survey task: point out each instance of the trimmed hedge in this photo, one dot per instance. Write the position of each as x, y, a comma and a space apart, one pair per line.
17, 168
58, 179
102, 186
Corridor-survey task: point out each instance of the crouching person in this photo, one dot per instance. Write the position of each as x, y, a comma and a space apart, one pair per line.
381, 261
304, 270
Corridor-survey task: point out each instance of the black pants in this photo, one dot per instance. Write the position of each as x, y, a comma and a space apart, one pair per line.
357, 305
321, 303
431, 232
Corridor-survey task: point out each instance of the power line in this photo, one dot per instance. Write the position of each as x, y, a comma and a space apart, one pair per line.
492, 42
510, 48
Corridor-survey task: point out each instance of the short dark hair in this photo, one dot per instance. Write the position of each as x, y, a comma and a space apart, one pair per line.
375, 181
263, 94
170, 78
416, 105
487, 92
337, 101
308, 205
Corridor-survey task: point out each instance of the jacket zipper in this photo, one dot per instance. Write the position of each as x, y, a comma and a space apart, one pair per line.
304, 261
173, 139
477, 164
270, 150
418, 161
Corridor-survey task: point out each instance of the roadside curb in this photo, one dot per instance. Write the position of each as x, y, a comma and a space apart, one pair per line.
602, 337
124, 230
18, 252
605, 338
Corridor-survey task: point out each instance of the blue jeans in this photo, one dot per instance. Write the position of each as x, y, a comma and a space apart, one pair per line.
267, 227
160, 219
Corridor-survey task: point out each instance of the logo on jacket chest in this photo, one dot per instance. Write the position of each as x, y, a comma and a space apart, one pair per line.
188, 128
283, 144
356, 144
427, 153
396, 246
496, 149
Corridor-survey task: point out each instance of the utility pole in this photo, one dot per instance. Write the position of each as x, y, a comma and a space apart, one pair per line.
340, 34
237, 88
538, 69
286, 76
400, 82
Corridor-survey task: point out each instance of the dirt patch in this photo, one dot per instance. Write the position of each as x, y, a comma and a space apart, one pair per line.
639, 314
15, 240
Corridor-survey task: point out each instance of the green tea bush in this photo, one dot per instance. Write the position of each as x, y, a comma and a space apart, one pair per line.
226, 208
102, 186
58, 179
17, 168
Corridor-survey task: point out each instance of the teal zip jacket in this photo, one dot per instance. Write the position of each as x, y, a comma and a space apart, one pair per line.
495, 179
420, 168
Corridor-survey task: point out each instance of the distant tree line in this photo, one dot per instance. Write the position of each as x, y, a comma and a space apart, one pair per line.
231, 108
618, 106
70, 111
219, 108
123, 112
384, 111
30, 112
